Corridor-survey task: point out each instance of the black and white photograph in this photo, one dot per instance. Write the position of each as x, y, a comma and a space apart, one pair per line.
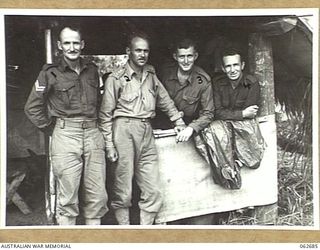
160, 119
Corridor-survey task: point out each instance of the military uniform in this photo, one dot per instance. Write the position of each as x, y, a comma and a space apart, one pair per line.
194, 97
230, 102
126, 109
234, 141
62, 99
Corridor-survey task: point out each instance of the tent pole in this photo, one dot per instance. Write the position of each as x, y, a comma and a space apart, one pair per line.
50, 184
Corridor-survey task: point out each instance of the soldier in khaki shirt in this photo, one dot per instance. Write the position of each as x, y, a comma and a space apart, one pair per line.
130, 98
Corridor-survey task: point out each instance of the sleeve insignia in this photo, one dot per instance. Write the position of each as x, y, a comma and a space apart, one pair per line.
38, 87
200, 81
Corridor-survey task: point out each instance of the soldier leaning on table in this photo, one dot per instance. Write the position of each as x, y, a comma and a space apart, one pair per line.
190, 88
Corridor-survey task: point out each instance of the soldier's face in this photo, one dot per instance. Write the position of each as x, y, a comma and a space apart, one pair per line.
185, 58
139, 52
71, 44
233, 66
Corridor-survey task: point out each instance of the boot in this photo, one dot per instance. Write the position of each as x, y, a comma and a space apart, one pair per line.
122, 216
147, 218
66, 220
93, 221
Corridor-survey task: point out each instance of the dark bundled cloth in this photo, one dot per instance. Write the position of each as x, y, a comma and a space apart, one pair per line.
229, 145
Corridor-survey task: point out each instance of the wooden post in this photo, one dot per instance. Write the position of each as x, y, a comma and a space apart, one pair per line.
50, 185
261, 65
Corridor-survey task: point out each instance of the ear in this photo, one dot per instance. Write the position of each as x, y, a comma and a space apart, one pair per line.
82, 44
175, 57
242, 65
59, 45
222, 67
196, 55
128, 50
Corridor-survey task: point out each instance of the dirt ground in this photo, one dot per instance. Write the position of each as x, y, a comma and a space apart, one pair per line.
32, 190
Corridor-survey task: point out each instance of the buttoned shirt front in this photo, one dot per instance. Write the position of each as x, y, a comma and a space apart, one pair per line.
230, 102
127, 96
60, 92
194, 97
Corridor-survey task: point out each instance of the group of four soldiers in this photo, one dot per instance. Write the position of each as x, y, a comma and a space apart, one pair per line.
66, 103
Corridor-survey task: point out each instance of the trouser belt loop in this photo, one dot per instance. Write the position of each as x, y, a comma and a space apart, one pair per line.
61, 122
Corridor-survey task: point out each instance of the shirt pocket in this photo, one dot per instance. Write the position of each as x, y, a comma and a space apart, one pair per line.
190, 104
128, 97
65, 92
149, 100
93, 90
128, 101
191, 100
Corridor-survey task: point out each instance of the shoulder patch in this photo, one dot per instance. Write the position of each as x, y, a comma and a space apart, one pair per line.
199, 79
202, 73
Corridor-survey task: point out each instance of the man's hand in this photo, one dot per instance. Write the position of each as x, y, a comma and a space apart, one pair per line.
179, 125
112, 154
250, 112
179, 128
184, 135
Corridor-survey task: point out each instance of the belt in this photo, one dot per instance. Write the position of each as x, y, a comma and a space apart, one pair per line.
134, 119
76, 123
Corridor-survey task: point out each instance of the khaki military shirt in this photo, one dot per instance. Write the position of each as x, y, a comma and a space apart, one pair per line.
61, 92
126, 96
194, 97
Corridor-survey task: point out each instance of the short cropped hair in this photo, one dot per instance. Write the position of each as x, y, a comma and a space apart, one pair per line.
185, 44
231, 51
137, 34
72, 27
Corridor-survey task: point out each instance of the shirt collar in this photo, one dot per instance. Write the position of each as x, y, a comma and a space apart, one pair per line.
64, 65
146, 68
192, 77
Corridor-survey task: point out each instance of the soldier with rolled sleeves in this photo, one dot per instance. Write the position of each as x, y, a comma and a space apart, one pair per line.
190, 88
65, 100
130, 98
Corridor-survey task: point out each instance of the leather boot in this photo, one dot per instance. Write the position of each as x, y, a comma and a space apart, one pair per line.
147, 218
122, 216
66, 220
93, 221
